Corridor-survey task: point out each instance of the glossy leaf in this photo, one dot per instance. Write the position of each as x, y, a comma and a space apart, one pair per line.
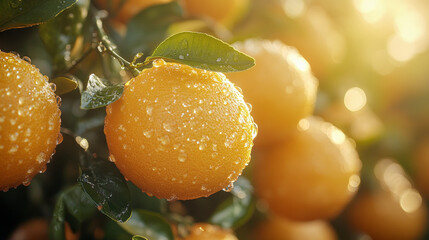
201, 50
65, 84
237, 209
112, 231
78, 203
60, 34
56, 227
25, 13
99, 94
148, 28
73, 201
106, 186
148, 224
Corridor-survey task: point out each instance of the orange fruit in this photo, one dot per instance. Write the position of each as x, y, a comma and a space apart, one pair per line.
180, 133
381, 216
393, 211
38, 229
312, 175
129, 9
34, 229
364, 125
29, 121
205, 231
280, 88
226, 12
276, 228
325, 53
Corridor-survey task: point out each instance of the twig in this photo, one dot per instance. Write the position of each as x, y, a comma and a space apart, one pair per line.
110, 47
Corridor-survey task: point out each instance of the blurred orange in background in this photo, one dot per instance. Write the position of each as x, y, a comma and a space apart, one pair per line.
312, 175
38, 229
206, 231
393, 209
276, 228
123, 11
281, 88
225, 12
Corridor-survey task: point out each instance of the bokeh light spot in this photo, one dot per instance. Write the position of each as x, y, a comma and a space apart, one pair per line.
294, 8
355, 99
410, 200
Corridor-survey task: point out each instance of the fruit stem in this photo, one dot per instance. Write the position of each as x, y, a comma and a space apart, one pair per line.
110, 47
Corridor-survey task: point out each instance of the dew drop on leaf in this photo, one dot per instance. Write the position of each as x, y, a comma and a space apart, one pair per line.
235, 57
184, 44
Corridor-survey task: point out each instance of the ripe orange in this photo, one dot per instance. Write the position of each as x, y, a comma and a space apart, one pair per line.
226, 12
205, 231
323, 54
276, 228
382, 217
29, 121
129, 8
180, 133
394, 211
280, 88
312, 175
37, 229
34, 229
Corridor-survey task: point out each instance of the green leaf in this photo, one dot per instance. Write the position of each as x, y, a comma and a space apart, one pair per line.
201, 50
148, 224
60, 34
237, 209
73, 201
65, 84
25, 13
106, 186
56, 227
112, 231
98, 94
78, 203
148, 28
